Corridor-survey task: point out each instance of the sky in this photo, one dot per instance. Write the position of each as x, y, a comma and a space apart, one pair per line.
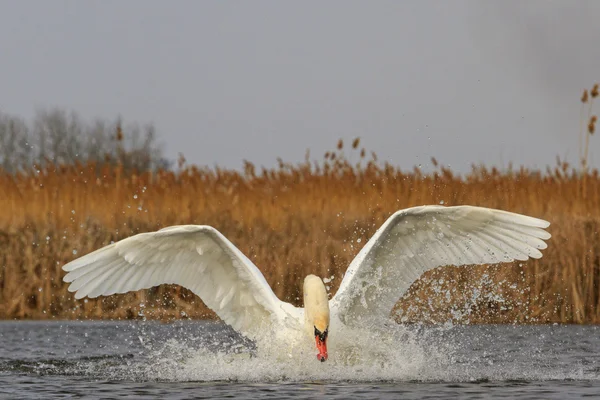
463, 81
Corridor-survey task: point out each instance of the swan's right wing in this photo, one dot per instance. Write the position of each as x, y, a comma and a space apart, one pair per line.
196, 257
418, 239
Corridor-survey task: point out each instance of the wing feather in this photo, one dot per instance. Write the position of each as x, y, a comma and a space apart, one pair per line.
196, 257
418, 239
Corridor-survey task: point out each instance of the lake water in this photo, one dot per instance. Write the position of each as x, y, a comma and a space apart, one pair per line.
199, 359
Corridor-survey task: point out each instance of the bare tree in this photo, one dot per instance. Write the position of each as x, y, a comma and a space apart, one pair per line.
15, 147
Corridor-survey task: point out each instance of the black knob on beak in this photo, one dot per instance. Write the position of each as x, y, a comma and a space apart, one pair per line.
322, 359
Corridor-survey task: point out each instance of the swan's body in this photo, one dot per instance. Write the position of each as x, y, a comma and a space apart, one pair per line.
409, 243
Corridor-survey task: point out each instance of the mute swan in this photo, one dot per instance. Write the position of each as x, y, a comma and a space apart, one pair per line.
411, 242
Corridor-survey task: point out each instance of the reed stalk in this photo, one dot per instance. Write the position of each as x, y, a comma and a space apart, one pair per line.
294, 220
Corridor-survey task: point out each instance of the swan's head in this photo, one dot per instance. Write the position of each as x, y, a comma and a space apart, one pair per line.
316, 313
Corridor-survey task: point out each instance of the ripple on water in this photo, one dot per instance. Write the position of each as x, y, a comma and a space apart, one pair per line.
211, 352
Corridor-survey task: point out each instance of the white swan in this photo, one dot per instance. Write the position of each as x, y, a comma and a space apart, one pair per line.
409, 243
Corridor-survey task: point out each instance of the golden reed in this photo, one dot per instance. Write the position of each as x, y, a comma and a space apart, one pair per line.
294, 220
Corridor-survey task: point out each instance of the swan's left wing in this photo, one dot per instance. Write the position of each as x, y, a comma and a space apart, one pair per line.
196, 257
418, 239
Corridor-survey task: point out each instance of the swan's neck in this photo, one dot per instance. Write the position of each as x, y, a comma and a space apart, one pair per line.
316, 313
316, 305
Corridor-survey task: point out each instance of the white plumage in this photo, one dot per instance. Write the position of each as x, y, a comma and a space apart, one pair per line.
416, 240
409, 243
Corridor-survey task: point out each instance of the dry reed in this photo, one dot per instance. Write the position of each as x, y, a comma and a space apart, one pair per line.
294, 220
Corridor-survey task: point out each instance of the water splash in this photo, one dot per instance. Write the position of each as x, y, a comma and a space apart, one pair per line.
361, 356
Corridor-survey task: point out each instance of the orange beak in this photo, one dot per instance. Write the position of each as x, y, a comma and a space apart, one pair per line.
322, 348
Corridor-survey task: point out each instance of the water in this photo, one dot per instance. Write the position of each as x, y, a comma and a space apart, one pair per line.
208, 360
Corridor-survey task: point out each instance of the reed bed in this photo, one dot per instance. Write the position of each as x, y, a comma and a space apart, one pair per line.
294, 220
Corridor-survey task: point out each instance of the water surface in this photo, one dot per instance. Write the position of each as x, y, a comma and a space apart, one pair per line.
208, 360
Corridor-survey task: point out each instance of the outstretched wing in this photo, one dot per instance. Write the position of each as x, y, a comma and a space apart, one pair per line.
196, 257
415, 240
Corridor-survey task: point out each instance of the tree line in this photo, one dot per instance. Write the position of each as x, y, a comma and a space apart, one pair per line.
59, 137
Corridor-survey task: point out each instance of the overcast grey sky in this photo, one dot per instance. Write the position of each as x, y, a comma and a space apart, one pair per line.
464, 81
